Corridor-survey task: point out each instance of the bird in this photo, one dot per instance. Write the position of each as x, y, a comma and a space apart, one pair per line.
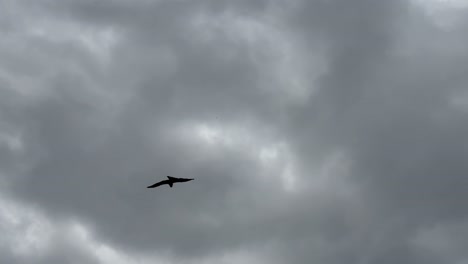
170, 181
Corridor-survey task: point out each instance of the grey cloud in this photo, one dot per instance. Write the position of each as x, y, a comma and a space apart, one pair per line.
97, 132
406, 142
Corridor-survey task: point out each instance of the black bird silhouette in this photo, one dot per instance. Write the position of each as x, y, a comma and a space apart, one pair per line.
170, 181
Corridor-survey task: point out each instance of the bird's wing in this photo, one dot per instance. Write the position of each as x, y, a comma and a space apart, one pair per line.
183, 179
158, 184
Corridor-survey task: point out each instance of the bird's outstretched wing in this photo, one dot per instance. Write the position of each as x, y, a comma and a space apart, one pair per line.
183, 179
158, 184
174, 179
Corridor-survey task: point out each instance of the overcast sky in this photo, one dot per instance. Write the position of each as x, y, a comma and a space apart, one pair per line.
317, 131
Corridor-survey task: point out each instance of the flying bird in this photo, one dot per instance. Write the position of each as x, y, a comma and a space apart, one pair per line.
170, 181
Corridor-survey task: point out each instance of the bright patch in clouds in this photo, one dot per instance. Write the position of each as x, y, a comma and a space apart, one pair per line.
269, 154
435, 5
25, 231
274, 157
11, 141
29, 234
459, 101
96, 40
212, 135
446, 14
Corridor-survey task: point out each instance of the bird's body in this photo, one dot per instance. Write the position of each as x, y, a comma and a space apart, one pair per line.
170, 181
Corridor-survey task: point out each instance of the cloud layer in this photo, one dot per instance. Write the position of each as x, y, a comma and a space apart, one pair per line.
317, 131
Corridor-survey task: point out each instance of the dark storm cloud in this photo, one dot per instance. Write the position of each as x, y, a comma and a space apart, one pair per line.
99, 94
393, 114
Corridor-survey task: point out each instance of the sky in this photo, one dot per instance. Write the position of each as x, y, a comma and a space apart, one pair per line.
317, 131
